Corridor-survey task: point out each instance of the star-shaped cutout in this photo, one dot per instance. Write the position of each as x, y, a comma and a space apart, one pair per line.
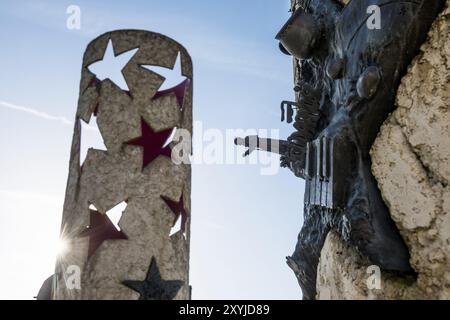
175, 82
100, 229
178, 210
154, 143
153, 287
111, 66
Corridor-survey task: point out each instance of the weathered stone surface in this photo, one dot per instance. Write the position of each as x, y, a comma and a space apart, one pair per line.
411, 162
344, 274
398, 170
340, 261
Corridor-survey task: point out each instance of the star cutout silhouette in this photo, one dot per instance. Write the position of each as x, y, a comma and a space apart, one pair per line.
178, 210
152, 142
153, 287
175, 82
111, 65
100, 229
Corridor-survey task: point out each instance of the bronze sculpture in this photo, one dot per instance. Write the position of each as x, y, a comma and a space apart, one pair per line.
348, 75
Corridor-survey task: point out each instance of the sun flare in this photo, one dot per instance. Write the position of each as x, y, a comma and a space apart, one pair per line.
62, 247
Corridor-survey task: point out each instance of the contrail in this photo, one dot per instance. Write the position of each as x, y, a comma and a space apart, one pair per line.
42, 115
36, 113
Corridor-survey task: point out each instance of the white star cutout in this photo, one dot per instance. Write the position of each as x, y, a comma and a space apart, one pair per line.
176, 228
114, 214
110, 67
173, 77
91, 138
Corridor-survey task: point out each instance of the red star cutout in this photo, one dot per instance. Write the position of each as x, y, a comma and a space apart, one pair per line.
178, 209
100, 229
152, 142
179, 91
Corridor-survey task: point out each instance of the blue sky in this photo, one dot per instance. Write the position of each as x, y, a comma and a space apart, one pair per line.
243, 223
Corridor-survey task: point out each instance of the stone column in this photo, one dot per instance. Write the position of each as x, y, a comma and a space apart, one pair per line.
139, 259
